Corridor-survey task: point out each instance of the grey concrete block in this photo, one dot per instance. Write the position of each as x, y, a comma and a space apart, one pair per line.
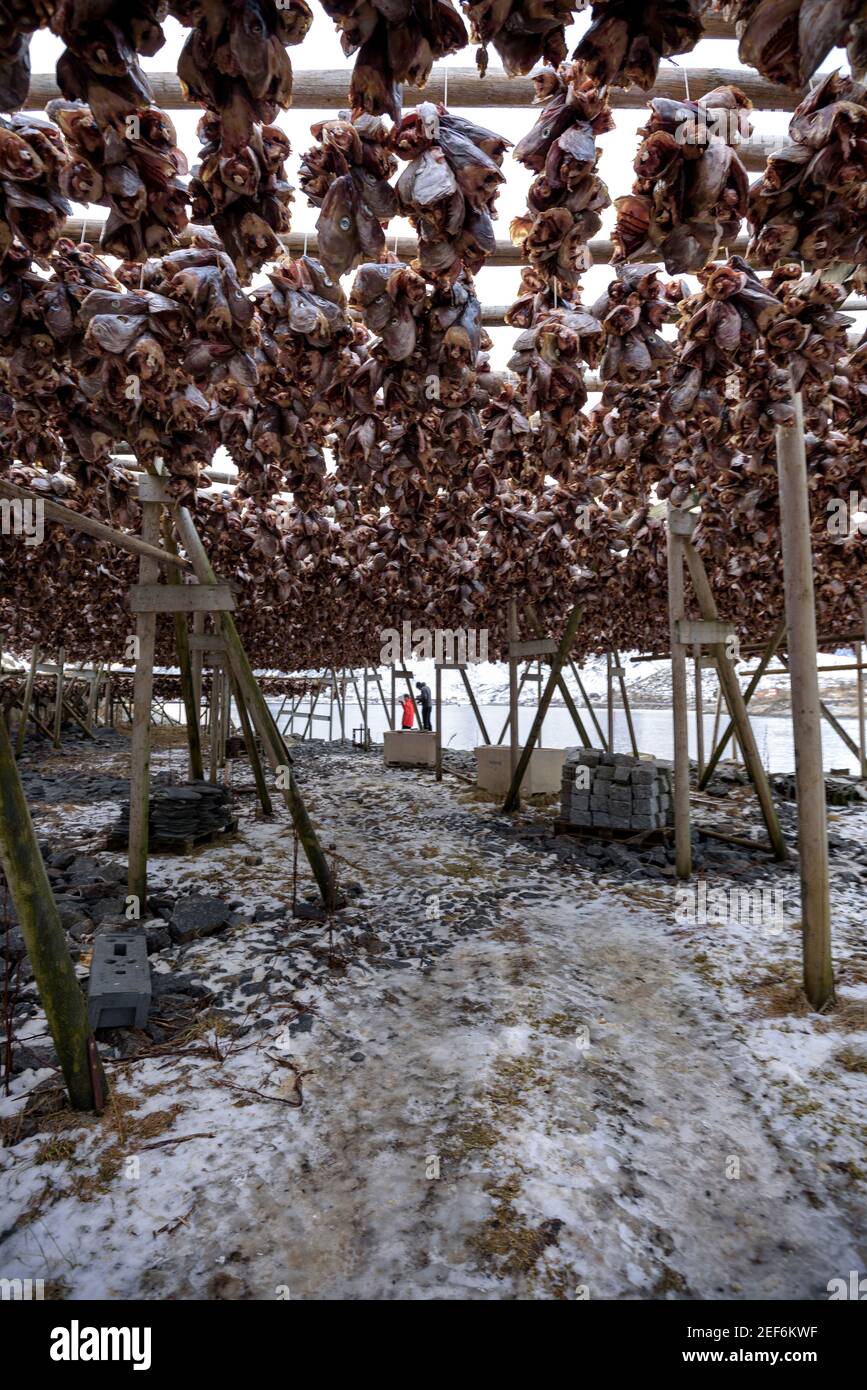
623, 759
622, 774
605, 772
581, 818
645, 822
580, 801
642, 776
621, 795
119, 993
602, 820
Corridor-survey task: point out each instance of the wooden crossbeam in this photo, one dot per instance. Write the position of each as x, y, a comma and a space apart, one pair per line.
706, 633
542, 646
65, 516
316, 90
184, 598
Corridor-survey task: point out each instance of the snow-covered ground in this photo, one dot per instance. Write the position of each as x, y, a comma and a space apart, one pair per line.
521, 1078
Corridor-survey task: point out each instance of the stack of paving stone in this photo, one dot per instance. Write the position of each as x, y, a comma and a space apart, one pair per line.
177, 814
615, 791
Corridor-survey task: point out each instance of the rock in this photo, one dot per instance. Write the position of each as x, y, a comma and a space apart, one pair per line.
25, 1058
197, 916
309, 912
104, 908
71, 913
158, 935
12, 946
169, 982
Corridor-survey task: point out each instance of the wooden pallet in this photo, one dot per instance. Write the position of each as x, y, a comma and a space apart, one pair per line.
601, 832
116, 840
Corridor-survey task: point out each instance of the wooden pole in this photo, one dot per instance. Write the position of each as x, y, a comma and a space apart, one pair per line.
576, 674
719, 746
514, 731
55, 511
862, 739
214, 726
699, 709
439, 728
476, 711
272, 741
143, 687
93, 696
252, 751
45, 940
512, 800
508, 723
609, 700
625, 698
676, 611
28, 696
844, 737
189, 693
802, 651
734, 699
58, 698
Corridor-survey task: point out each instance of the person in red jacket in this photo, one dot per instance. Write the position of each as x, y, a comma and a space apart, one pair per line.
408, 712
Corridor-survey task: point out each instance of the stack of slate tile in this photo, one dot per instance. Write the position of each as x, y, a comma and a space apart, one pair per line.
182, 813
615, 791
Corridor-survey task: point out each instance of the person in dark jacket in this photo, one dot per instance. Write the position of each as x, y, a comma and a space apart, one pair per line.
425, 700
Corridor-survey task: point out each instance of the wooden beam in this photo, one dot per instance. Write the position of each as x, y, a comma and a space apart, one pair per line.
624, 695
832, 719
512, 800
143, 689
691, 633
64, 516
185, 666
718, 747
543, 646
252, 751
735, 701
862, 729
181, 598
514, 692
25, 704
272, 740
438, 732
58, 699
809, 773
476, 711
206, 642
676, 604
45, 940
316, 89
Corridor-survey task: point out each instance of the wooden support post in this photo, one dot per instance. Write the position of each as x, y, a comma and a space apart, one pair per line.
272, 741
93, 697
562, 686
314, 701
512, 800
439, 726
862, 734
576, 674
189, 693
252, 751
844, 737
45, 940
214, 726
719, 746
108, 703
77, 719
514, 727
143, 687
58, 698
609, 700
802, 650
393, 697
699, 709
226, 721
508, 723
676, 611
476, 711
625, 698
735, 701
28, 696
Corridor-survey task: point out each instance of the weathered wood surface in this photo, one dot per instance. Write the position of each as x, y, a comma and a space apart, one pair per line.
181, 598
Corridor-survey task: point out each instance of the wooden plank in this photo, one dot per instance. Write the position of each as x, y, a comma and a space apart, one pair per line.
676, 602
514, 692
317, 89
476, 711
544, 646
802, 649
703, 633
207, 642
184, 598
